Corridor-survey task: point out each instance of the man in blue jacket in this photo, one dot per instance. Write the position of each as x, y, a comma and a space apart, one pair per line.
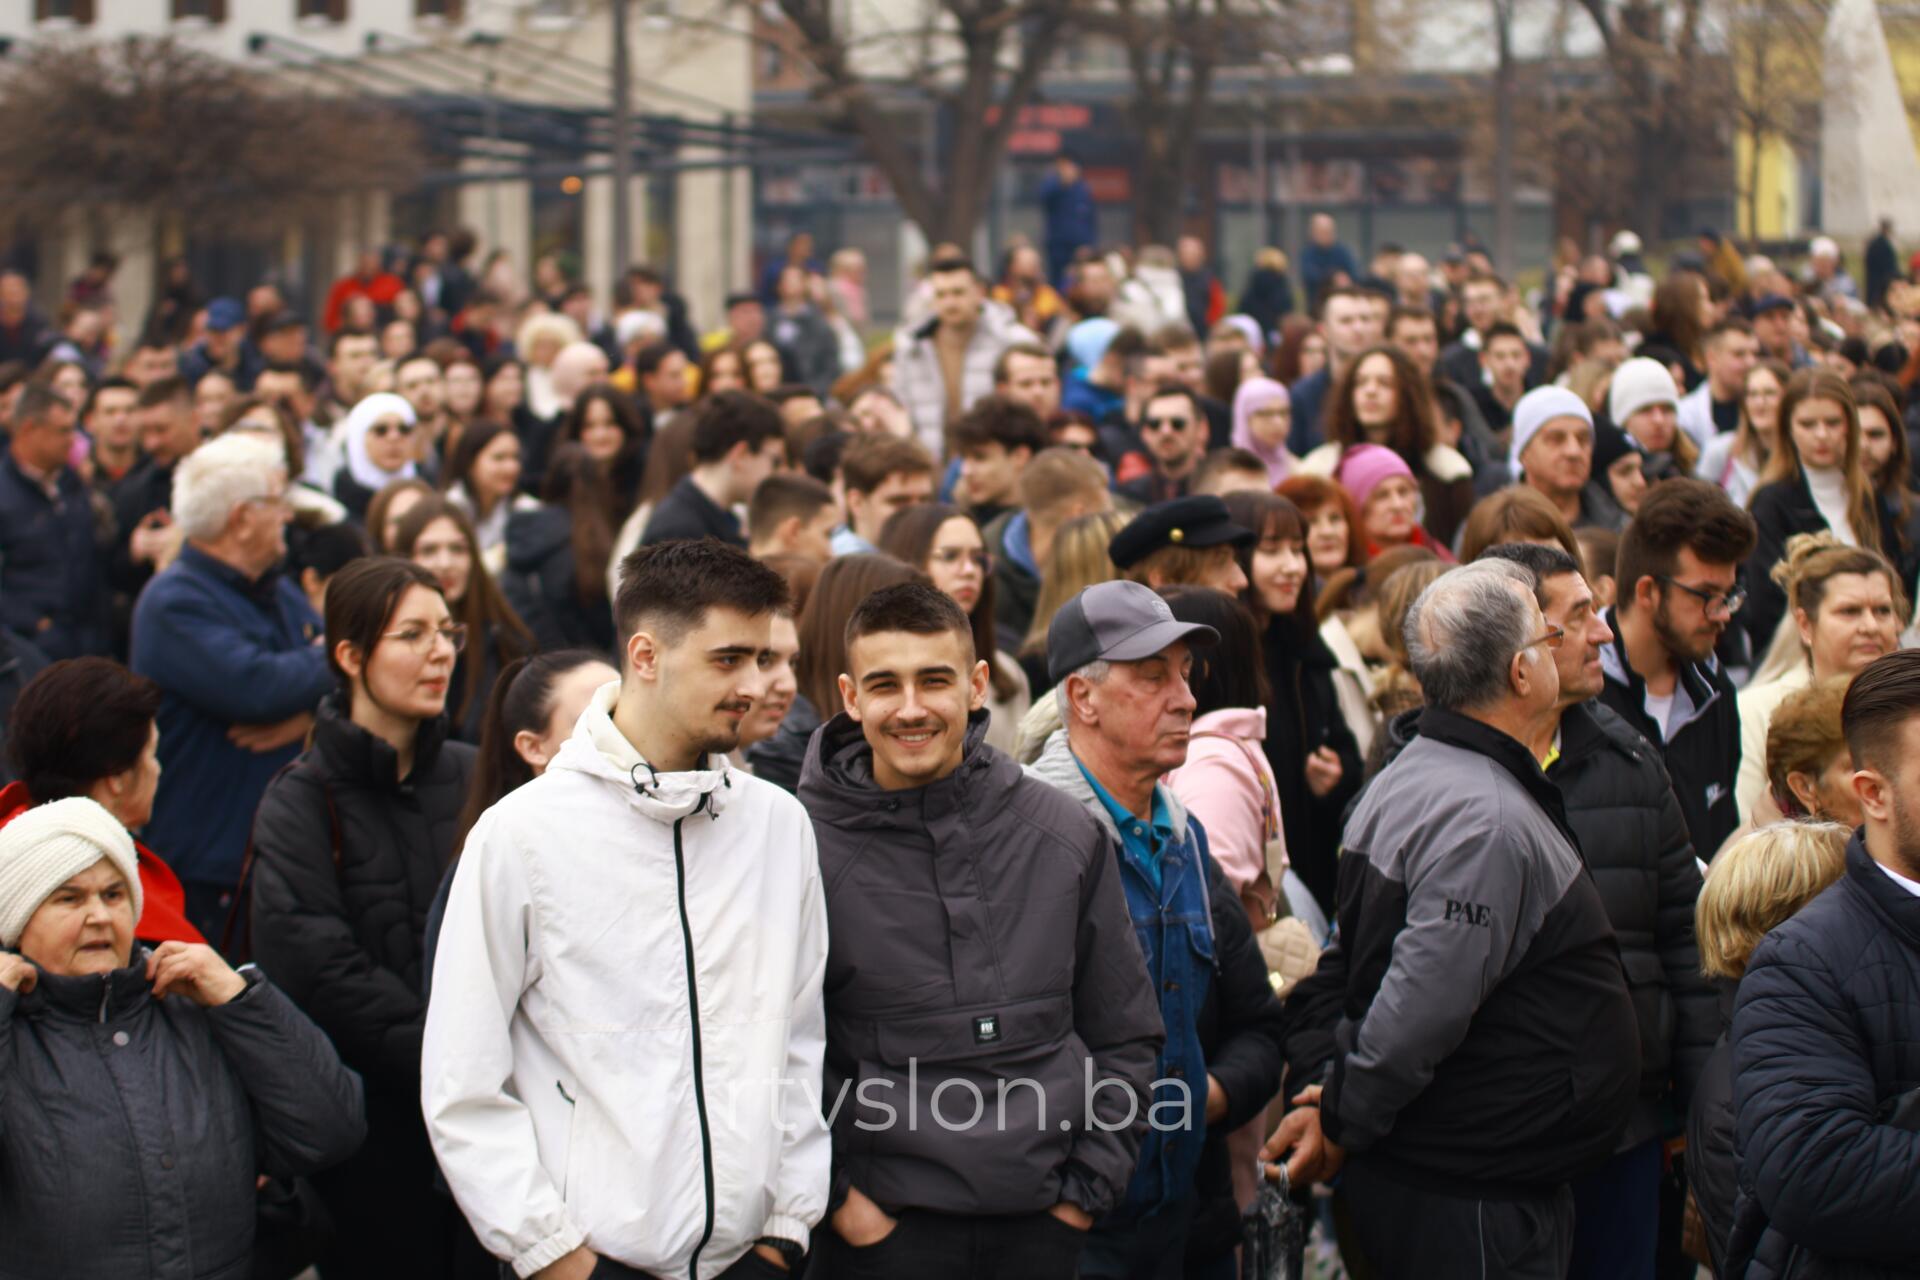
51, 570
1826, 1030
232, 646
1073, 221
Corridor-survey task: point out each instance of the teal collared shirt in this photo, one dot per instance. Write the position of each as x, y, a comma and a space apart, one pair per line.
1144, 840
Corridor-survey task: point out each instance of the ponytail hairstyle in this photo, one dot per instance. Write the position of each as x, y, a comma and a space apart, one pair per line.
522, 699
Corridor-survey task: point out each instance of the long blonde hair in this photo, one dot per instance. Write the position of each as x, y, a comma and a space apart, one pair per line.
1077, 561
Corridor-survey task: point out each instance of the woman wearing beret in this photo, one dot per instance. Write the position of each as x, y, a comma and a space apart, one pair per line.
142, 1092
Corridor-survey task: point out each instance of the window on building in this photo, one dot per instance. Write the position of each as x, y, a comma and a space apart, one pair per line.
444, 10
331, 10
78, 12
199, 10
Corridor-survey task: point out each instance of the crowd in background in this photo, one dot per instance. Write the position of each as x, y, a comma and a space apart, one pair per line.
297, 618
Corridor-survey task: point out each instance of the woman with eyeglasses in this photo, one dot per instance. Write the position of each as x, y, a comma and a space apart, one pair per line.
944, 543
380, 450
1735, 459
1816, 480
437, 535
348, 848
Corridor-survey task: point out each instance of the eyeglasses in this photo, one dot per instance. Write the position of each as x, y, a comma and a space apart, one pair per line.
384, 429
950, 556
1166, 424
421, 640
1711, 601
1553, 639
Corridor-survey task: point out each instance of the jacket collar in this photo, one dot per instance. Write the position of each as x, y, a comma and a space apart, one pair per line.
261, 590
1900, 909
1696, 677
838, 783
1060, 769
599, 750
1472, 735
368, 758
1589, 726
97, 997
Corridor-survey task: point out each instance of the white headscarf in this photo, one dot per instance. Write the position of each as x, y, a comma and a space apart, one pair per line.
364, 415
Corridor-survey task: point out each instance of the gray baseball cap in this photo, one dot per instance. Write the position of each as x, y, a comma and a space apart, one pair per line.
1117, 622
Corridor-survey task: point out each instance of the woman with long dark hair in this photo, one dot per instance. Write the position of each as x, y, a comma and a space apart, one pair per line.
615, 435
1317, 761
530, 713
944, 543
1383, 399
438, 536
483, 479
557, 556
349, 844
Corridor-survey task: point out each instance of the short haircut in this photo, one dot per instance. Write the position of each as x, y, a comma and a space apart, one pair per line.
1002, 421
870, 459
1168, 390
1177, 336
1880, 702
1804, 736
913, 607
1732, 324
343, 335
298, 368
328, 549
1677, 513
821, 458
1353, 291
1221, 461
1541, 562
730, 418
1409, 315
37, 402
1502, 329
1058, 476
782, 496
220, 475
1758, 883
166, 391
1518, 512
1486, 277
115, 383
77, 722
788, 391
669, 587
1003, 366
948, 262
1464, 630
648, 359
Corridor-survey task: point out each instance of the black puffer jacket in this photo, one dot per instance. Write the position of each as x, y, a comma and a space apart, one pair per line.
1713, 1158
1634, 840
1826, 1044
1303, 716
539, 583
131, 1129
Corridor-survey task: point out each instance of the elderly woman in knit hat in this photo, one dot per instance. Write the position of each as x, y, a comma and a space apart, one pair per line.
1387, 497
142, 1092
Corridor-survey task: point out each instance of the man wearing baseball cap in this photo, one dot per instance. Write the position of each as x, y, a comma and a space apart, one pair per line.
1121, 664
1772, 316
220, 348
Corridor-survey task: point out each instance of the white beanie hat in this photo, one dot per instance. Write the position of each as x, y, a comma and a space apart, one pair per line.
1539, 407
50, 844
1638, 383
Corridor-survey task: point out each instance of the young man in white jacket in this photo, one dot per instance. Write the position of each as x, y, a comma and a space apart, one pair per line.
623, 1048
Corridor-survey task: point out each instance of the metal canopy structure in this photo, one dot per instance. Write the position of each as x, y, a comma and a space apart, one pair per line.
530, 112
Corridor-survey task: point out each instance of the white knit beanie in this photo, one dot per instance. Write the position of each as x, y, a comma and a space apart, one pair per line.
1638, 383
47, 846
1539, 407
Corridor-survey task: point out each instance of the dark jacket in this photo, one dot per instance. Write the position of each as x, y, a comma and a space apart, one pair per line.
687, 512
1016, 586
52, 565
1624, 813
1780, 510
780, 758
1713, 1158
132, 1129
1268, 298
1704, 757
1826, 1041
1006, 953
1486, 1042
1303, 716
539, 583
353, 495
1072, 217
224, 651
19, 663
807, 341
138, 494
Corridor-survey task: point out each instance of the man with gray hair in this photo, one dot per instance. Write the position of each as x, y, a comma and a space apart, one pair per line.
232, 646
1485, 1053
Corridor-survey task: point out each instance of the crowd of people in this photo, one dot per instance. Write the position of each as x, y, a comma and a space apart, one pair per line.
497, 785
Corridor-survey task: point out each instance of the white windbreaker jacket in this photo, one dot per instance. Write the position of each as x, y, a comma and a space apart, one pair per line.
624, 1041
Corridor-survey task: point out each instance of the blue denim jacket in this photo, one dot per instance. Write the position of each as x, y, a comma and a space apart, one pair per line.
1167, 899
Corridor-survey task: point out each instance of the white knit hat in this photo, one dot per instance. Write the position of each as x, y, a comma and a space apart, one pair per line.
47, 846
1638, 383
1539, 407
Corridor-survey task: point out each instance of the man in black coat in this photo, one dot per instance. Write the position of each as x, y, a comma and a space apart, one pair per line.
52, 592
1826, 1031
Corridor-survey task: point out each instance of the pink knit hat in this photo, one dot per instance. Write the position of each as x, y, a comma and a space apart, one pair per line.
1364, 466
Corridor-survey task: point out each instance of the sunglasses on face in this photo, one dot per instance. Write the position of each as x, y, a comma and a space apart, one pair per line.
1166, 424
381, 430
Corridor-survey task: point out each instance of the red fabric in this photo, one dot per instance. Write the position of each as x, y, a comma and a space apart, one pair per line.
1132, 465
383, 289
1216, 304
1420, 538
163, 911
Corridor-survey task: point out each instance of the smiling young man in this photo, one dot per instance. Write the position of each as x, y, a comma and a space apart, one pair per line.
981, 953
642, 889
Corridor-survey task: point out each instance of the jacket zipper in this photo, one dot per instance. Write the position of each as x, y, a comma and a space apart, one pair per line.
699, 1081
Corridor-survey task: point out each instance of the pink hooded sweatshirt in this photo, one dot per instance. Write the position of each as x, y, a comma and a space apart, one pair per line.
1228, 784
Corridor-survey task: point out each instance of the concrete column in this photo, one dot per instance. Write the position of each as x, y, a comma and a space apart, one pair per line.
502, 212
131, 237
706, 268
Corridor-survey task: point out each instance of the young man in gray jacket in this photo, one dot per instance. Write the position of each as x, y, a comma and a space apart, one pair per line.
991, 1032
